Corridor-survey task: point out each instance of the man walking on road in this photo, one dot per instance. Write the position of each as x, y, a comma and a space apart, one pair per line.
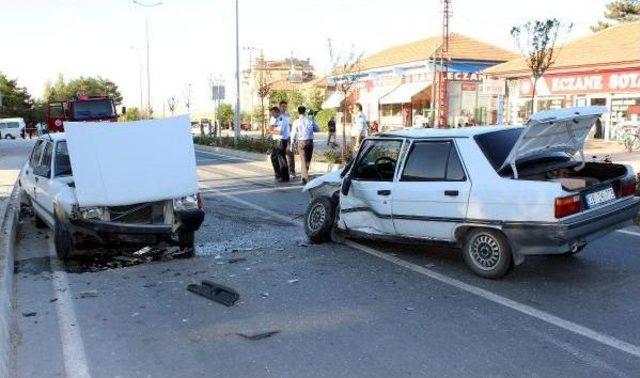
331, 127
358, 126
289, 152
279, 131
302, 133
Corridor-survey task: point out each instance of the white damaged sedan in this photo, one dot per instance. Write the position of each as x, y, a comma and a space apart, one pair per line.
498, 192
115, 183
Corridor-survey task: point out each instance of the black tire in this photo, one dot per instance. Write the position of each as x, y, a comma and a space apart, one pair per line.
577, 251
186, 241
487, 253
319, 219
38, 221
62, 241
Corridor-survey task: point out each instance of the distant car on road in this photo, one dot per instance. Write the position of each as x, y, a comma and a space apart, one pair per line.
10, 128
84, 214
498, 192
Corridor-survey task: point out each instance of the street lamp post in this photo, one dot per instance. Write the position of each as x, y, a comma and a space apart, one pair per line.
236, 128
146, 26
137, 50
251, 81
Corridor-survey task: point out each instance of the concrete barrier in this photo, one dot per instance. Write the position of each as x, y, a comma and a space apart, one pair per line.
8, 229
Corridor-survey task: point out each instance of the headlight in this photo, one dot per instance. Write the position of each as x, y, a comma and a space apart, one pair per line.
186, 203
93, 213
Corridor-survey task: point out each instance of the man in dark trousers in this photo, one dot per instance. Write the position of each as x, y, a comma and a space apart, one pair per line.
331, 126
279, 131
291, 161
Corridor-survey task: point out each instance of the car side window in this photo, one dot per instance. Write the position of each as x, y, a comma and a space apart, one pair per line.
433, 161
36, 154
62, 161
378, 160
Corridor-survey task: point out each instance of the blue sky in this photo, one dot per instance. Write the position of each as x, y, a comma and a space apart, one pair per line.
192, 39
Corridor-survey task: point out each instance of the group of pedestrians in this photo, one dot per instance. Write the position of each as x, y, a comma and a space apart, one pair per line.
298, 136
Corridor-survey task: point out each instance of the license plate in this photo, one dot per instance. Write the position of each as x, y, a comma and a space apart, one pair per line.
600, 197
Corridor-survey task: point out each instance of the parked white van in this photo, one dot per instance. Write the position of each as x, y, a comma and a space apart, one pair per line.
10, 128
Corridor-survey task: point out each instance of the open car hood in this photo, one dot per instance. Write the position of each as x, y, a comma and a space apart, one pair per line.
562, 130
125, 163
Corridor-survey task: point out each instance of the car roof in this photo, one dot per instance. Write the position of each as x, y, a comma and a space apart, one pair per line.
53, 136
458, 132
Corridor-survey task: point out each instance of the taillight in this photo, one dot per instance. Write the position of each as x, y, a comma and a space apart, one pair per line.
628, 188
566, 206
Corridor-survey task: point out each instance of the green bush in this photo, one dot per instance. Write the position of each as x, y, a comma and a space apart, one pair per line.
334, 155
245, 143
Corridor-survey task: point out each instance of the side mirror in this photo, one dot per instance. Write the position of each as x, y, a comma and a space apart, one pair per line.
346, 185
42, 170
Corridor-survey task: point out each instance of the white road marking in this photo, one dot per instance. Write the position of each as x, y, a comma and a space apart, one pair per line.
75, 360
546, 317
629, 232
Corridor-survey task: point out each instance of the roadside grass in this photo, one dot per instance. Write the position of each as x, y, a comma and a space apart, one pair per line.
244, 143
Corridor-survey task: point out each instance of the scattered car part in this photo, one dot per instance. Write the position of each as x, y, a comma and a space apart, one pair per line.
217, 293
29, 314
253, 336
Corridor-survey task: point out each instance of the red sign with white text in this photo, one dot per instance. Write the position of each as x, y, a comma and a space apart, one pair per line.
606, 82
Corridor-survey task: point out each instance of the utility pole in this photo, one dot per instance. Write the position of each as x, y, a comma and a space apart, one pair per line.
146, 27
236, 126
443, 98
251, 80
137, 50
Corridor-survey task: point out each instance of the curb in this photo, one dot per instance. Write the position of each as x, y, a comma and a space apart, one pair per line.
316, 166
8, 227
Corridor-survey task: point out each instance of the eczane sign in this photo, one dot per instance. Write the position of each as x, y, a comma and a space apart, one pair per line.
606, 82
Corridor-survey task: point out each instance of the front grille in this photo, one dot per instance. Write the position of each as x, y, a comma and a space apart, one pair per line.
141, 213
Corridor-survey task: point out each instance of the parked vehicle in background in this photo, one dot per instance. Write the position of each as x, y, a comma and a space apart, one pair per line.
10, 128
498, 192
66, 184
82, 108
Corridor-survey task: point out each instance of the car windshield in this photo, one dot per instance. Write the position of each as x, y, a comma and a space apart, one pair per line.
62, 162
93, 109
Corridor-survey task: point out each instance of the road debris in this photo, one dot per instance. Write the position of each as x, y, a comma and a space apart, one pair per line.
292, 281
217, 293
303, 244
89, 294
53, 300
253, 336
29, 314
127, 259
236, 260
143, 251
264, 294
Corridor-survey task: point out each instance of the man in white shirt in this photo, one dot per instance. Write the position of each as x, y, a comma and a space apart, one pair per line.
302, 134
359, 128
289, 152
279, 131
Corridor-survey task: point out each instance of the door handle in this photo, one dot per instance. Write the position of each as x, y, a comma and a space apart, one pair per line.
384, 192
451, 193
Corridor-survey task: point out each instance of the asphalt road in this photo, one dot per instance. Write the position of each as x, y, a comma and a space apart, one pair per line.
338, 310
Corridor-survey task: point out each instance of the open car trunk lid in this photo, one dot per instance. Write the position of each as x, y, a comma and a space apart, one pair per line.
124, 163
562, 130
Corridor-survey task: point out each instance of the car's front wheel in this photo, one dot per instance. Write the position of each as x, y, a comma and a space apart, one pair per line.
487, 253
319, 219
62, 240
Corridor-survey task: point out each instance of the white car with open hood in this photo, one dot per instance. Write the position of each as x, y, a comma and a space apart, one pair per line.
115, 183
498, 192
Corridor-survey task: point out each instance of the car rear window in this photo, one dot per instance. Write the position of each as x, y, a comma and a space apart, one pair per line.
496, 145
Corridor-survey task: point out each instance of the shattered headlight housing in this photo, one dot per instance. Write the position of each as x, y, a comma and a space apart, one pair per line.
94, 213
187, 203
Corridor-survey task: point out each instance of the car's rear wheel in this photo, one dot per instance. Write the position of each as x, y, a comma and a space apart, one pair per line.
319, 219
487, 253
62, 240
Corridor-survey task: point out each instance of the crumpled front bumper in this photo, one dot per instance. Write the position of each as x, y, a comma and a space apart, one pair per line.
530, 238
88, 233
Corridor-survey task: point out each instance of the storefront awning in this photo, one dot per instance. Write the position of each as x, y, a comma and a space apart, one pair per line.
403, 93
374, 95
333, 101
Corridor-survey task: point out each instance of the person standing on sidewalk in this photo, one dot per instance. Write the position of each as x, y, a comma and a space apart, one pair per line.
358, 126
302, 133
289, 152
331, 126
279, 131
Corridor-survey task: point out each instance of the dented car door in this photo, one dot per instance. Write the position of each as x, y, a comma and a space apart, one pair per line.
366, 205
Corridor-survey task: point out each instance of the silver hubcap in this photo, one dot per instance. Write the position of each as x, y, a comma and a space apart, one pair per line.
316, 218
485, 252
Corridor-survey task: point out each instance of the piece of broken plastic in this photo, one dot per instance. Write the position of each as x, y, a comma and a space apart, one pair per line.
217, 293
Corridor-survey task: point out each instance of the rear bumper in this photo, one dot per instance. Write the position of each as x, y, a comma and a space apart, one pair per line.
89, 233
555, 238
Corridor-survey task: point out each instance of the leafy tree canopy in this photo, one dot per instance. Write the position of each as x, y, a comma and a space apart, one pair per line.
619, 11
92, 86
225, 114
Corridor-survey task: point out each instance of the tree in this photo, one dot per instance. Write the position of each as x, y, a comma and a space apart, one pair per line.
345, 68
132, 114
16, 101
225, 114
92, 86
172, 104
314, 99
619, 11
263, 87
537, 42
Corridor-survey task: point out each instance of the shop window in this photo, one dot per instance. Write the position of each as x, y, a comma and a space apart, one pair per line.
391, 110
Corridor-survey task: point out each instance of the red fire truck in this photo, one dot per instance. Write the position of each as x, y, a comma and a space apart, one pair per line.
82, 108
